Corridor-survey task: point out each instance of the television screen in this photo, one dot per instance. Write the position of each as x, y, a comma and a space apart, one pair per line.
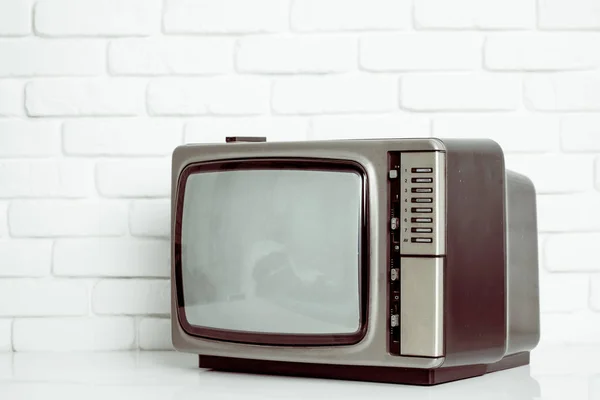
272, 250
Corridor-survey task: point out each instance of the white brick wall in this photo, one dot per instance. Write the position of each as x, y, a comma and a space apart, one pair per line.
74, 334
576, 328
421, 51
166, 56
29, 138
350, 15
121, 137
525, 133
15, 17
114, 257
84, 97
150, 218
595, 300
202, 96
564, 252
22, 57
576, 91
542, 52
569, 14
300, 54
46, 178
339, 94
3, 219
52, 297
564, 293
5, 335
154, 334
132, 297
475, 14
225, 16
554, 214
460, 92
95, 94
57, 218
580, 133
134, 178
381, 126
97, 17
275, 129
25, 257
555, 174
11, 98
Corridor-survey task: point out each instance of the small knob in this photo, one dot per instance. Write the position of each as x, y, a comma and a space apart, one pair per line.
233, 139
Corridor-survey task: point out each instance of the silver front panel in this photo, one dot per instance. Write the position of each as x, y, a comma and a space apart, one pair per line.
421, 306
372, 155
422, 203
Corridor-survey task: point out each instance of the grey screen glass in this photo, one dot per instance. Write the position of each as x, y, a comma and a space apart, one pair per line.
272, 251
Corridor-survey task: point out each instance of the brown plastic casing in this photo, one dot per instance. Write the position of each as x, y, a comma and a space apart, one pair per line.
475, 315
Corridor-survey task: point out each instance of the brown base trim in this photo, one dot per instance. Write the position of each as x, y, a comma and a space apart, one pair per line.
413, 376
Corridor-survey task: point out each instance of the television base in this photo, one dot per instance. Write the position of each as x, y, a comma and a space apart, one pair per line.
413, 376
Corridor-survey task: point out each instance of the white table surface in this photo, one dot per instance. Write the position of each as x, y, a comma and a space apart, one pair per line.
571, 373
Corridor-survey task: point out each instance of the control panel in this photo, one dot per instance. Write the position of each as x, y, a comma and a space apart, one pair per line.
422, 203
417, 236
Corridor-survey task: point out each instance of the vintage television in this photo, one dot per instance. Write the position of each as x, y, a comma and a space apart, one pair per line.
393, 260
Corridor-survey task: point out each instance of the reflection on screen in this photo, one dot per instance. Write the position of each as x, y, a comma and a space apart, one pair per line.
272, 251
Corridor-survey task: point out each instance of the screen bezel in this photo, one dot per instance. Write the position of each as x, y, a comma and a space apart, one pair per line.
276, 339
